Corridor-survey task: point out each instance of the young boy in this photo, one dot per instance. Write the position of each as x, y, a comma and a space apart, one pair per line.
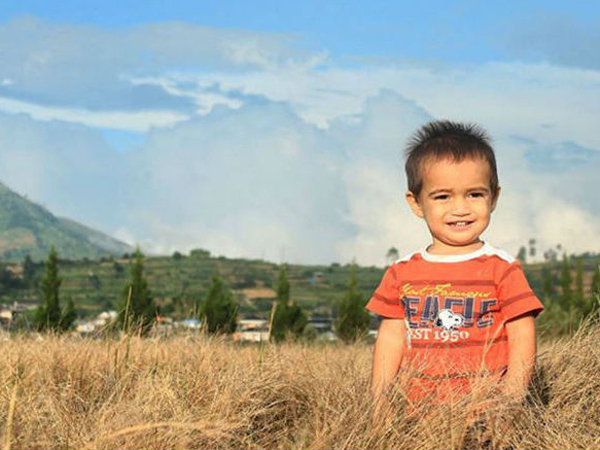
458, 310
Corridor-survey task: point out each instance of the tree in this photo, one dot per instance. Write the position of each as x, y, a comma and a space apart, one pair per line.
565, 284
579, 299
548, 283
8, 280
139, 311
49, 316
595, 288
29, 271
219, 309
392, 255
69, 316
118, 269
522, 255
353, 321
289, 319
593, 304
532, 250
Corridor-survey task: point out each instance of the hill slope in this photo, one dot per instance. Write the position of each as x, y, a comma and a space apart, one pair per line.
28, 228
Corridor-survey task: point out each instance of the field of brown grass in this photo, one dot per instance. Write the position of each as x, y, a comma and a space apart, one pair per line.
197, 392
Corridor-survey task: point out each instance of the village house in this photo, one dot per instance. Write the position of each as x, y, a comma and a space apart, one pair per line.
252, 330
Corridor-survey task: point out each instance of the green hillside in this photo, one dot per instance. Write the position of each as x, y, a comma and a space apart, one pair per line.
180, 282
28, 228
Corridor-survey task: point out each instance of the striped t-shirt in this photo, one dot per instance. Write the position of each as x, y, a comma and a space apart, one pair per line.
455, 308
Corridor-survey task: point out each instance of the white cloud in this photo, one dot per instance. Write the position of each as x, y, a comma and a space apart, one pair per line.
254, 181
65, 167
255, 148
541, 101
64, 69
260, 182
118, 120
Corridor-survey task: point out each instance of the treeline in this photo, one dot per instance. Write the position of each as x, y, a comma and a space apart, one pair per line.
566, 295
218, 311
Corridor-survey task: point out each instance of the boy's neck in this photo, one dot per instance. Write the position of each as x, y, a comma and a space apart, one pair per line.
438, 248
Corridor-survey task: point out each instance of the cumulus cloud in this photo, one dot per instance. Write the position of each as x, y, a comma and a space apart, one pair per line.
68, 168
258, 181
139, 121
63, 66
252, 181
250, 150
539, 101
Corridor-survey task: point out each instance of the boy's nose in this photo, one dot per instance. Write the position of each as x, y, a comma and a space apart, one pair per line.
460, 207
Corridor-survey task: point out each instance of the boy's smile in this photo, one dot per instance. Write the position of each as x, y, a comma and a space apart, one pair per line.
456, 202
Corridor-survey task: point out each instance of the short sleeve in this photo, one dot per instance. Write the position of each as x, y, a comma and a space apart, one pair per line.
515, 295
386, 298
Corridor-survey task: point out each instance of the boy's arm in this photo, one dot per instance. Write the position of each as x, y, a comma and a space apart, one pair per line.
387, 356
521, 356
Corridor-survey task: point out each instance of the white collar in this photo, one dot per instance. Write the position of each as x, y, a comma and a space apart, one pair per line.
486, 249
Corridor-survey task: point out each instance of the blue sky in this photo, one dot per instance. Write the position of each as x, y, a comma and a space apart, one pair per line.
265, 129
460, 31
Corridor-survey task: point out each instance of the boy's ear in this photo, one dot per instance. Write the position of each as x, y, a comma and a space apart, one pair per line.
413, 202
495, 201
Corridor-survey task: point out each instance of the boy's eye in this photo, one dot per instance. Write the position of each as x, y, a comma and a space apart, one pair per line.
441, 197
477, 194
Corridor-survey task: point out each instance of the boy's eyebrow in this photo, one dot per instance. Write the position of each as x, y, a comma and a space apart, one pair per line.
439, 191
479, 188
446, 190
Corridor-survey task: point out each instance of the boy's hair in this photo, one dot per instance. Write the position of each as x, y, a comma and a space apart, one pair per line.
445, 139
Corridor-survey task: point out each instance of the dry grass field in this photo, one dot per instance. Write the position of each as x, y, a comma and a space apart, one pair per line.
197, 392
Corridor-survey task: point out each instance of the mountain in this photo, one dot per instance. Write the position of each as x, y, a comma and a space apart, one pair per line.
28, 228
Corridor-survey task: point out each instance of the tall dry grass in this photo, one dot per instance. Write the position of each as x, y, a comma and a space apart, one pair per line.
196, 392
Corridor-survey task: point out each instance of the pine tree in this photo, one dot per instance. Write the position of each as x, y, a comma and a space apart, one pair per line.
139, 310
532, 249
522, 255
565, 284
353, 321
595, 288
48, 315
219, 309
29, 271
289, 318
69, 315
548, 288
578, 298
392, 255
283, 287
594, 300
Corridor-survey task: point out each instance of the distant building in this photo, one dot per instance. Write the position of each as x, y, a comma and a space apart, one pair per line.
316, 278
252, 330
323, 327
193, 324
6, 317
84, 327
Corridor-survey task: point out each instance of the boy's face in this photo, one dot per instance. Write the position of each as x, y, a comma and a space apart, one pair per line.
456, 202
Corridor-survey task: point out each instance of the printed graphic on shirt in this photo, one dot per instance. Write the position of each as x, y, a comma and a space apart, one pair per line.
444, 313
448, 320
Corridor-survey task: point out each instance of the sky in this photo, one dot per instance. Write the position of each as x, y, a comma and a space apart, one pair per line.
276, 130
